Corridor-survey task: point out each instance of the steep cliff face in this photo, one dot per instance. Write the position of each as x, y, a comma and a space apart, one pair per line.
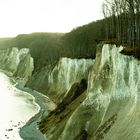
109, 109
56, 82
25, 65
17, 62
8, 59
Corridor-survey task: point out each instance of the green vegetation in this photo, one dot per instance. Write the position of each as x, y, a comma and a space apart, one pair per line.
82, 41
6, 43
47, 48
123, 21
44, 47
121, 25
59, 116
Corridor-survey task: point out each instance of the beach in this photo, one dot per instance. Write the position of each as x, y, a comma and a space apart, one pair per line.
19, 111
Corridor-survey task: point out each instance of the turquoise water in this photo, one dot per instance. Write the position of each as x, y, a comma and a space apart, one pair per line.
16, 108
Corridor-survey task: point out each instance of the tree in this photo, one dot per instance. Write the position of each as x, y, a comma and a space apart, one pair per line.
124, 17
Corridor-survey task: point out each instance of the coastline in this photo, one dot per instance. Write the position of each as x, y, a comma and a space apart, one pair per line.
16, 106
30, 130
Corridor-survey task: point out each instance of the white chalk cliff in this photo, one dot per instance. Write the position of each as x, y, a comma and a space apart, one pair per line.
55, 82
110, 107
17, 62
107, 108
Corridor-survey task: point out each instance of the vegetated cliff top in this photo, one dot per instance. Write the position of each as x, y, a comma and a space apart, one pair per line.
6, 43
47, 48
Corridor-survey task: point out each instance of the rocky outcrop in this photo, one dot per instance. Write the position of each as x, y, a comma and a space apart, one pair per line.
17, 62
108, 109
56, 82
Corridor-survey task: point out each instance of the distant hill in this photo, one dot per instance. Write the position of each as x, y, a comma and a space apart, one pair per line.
47, 48
44, 47
6, 43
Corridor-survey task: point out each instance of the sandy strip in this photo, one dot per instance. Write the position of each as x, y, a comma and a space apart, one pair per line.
30, 131
16, 108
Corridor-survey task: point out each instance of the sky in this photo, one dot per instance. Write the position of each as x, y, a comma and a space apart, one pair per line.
27, 16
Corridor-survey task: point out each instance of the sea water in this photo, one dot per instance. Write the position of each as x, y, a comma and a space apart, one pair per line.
16, 108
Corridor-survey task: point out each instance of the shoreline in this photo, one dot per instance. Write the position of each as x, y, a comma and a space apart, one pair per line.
17, 108
30, 129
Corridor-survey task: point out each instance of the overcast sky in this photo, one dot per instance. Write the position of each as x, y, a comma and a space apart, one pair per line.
26, 16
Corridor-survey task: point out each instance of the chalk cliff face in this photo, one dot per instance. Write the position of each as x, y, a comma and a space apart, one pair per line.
8, 59
56, 82
110, 107
17, 62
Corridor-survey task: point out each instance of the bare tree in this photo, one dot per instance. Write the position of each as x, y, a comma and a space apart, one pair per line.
137, 21
124, 20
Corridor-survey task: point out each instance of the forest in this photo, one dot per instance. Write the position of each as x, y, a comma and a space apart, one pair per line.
122, 21
47, 48
120, 25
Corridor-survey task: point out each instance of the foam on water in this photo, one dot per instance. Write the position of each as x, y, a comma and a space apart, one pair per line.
16, 108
